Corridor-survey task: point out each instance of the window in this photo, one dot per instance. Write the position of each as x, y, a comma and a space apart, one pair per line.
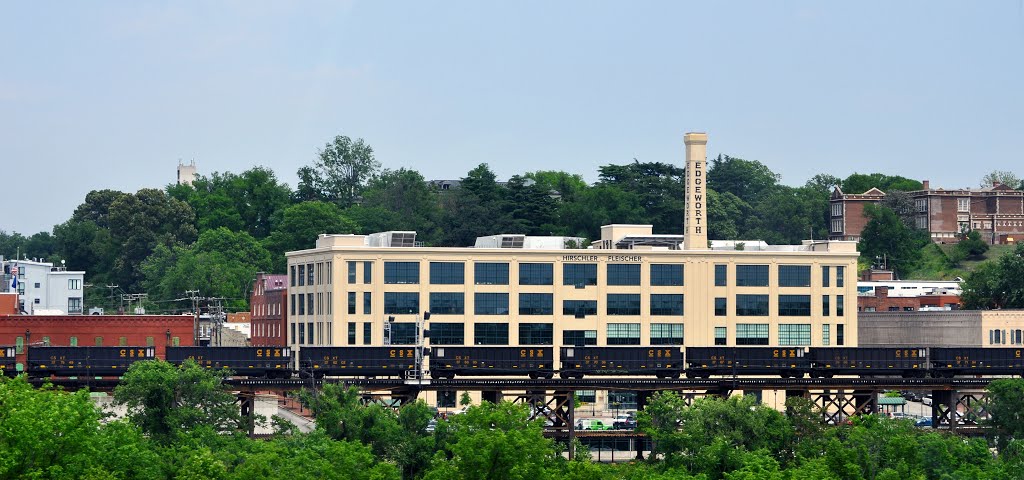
490, 304
291, 274
826, 333
666, 334
19, 345
921, 204
794, 275
840, 274
751, 334
367, 303
309, 303
74, 284
352, 333
293, 304
351, 273
794, 306
837, 209
447, 333
73, 341
752, 305
490, 273
623, 304
624, 274
367, 272
302, 304
837, 225
579, 337
721, 275
74, 305
721, 307
536, 304
794, 335
447, 303
401, 272
351, 303
403, 333
623, 334
667, 304
720, 336
751, 275
579, 274
839, 334
536, 333
666, 275
446, 398
839, 306
330, 303
309, 274
175, 341
579, 308
963, 204
293, 334
309, 333
367, 333
536, 274
447, 273
99, 341
401, 303
825, 309
588, 396
302, 275
330, 272
826, 275
149, 341
490, 334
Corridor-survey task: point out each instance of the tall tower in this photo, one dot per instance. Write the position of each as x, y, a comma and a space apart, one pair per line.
186, 173
696, 235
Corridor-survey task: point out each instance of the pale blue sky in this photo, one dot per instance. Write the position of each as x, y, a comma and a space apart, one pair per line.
110, 95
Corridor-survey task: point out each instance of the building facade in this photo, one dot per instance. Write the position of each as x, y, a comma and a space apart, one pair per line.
963, 328
997, 212
268, 305
42, 288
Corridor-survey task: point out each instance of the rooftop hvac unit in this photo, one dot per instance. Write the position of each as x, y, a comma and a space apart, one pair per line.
391, 239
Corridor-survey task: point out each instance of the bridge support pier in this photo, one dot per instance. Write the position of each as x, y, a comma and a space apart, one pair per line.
247, 404
944, 408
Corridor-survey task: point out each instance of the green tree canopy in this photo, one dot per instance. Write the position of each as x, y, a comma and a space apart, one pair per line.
299, 225
341, 172
996, 284
860, 183
746, 179
886, 237
141, 222
245, 201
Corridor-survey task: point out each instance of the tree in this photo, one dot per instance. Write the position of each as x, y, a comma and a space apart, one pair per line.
341, 172
568, 185
165, 401
298, 226
996, 284
530, 208
660, 189
1002, 177
399, 200
971, 245
746, 179
886, 236
140, 222
245, 201
860, 183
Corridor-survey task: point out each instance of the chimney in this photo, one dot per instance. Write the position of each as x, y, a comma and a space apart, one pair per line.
924, 185
996, 183
695, 235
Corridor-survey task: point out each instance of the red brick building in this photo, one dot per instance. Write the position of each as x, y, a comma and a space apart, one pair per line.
103, 330
997, 212
269, 310
882, 302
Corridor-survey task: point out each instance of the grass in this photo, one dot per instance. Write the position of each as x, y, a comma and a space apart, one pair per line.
935, 262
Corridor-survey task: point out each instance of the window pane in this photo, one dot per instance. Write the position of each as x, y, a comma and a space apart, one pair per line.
623, 334
839, 306
666, 334
367, 333
721, 307
536, 333
490, 334
403, 333
795, 306
667, 304
751, 334
490, 273
794, 275
401, 303
351, 272
447, 273
720, 336
840, 276
367, 302
351, 333
579, 337
490, 304
752, 275
721, 275
351, 303
536, 274
367, 272
624, 274
794, 335
447, 303
579, 308
447, 333
670, 275
826, 276
825, 309
401, 272
536, 304
579, 274
623, 304
752, 305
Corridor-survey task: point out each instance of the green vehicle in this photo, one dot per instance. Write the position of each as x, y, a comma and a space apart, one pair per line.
592, 424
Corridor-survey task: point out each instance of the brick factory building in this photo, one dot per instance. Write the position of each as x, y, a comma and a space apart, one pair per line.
268, 304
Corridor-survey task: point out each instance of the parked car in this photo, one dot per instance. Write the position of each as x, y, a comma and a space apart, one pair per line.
924, 422
592, 424
927, 400
911, 395
625, 421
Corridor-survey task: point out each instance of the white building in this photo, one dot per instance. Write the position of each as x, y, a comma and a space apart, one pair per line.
42, 288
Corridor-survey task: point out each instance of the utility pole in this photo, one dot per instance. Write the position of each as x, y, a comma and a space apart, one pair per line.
193, 295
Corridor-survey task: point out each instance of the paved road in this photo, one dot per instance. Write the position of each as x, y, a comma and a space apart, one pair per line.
304, 424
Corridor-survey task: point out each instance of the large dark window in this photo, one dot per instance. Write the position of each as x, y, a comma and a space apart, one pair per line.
447, 303
794, 306
752, 305
490, 303
840, 277
666, 275
401, 302
579, 308
291, 275
536, 304
401, 272
536, 333
490, 273
351, 272
840, 334
302, 275
840, 306
447, 273
794, 275
721, 275
825, 276
403, 333
825, 309
721, 307
751, 275
367, 303
720, 336
447, 333
623, 304
536, 274
579, 337
579, 274
624, 274
751, 334
666, 334
490, 334
351, 333
367, 272
367, 333
794, 335
351, 303
623, 334
667, 304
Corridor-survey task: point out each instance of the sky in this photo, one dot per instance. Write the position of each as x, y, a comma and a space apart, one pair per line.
97, 95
